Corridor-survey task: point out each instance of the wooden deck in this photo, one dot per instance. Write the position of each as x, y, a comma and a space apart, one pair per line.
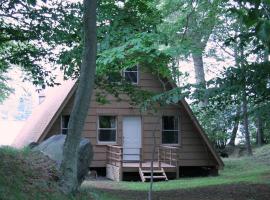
134, 166
147, 165
167, 159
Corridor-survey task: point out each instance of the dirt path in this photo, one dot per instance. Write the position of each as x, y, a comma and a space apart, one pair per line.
225, 192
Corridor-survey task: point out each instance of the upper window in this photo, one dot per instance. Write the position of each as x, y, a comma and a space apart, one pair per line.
170, 130
107, 129
131, 74
64, 124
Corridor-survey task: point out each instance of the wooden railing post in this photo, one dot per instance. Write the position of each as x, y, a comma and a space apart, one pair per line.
159, 163
170, 156
141, 158
164, 158
121, 156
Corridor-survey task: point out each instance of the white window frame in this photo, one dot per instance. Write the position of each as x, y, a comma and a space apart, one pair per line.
178, 130
62, 128
124, 75
98, 128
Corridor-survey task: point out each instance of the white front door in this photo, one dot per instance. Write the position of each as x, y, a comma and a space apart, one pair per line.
131, 138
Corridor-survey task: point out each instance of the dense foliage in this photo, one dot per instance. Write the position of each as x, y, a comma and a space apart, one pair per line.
42, 36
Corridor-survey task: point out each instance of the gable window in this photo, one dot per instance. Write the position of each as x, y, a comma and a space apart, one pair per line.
107, 129
64, 124
170, 129
132, 74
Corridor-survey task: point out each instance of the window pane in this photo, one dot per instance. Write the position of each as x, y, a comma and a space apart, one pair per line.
107, 135
169, 137
107, 122
64, 131
170, 123
65, 120
131, 77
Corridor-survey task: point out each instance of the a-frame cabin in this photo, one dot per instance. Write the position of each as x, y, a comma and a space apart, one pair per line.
122, 136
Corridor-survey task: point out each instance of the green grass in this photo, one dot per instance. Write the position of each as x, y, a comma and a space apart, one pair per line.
239, 170
20, 180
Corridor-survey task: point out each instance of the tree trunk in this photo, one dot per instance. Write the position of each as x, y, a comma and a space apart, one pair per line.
150, 191
246, 123
69, 182
199, 68
152, 167
199, 73
259, 134
235, 127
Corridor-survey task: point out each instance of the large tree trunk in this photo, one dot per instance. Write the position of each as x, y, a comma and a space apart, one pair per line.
246, 124
79, 112
259, 134
235, 127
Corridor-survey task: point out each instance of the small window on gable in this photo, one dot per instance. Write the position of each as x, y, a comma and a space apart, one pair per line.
64, 124
170, 129
107, 129
132, 74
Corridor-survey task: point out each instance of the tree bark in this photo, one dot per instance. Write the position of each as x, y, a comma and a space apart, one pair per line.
246, 124
235, 127
259, 132
79, 112
199, 68
199, 73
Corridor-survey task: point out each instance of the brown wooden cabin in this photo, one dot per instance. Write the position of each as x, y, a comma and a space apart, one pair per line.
122, 136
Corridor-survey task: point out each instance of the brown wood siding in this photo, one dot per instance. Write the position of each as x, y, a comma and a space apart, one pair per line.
55, 129
193, 151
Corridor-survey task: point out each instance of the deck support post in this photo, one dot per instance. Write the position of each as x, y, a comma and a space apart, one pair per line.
177, 170
141, 157
159, 162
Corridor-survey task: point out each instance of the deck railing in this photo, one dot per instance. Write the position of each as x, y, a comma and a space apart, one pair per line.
168, 155
115, 155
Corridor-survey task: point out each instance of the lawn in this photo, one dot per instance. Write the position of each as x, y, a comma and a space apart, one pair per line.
245, 171
23, 176
255, 169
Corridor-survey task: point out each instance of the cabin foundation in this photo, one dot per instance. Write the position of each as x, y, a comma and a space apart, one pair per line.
113, 172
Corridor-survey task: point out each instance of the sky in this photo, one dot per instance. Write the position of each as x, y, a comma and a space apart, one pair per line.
9, 127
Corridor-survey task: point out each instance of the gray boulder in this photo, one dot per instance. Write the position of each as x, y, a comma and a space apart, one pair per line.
53, 148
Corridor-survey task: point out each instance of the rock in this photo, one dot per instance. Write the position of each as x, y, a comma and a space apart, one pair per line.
53, 148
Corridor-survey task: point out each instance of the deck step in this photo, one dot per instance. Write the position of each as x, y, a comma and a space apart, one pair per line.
155, 171
157, 174
155, 177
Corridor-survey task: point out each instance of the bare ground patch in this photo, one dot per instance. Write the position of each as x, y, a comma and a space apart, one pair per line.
222, 192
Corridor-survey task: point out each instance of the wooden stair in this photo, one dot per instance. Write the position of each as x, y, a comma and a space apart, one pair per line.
158, 174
